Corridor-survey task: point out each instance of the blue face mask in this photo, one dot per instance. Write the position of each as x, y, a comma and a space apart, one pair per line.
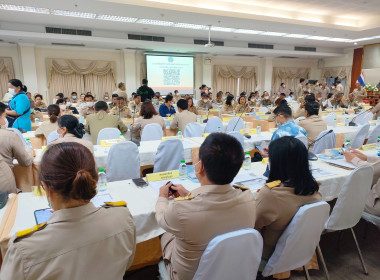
155, 101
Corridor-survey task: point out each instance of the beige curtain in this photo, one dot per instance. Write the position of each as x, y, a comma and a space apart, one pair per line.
227, 78
7, 72
340, 72
67, 76
288, 75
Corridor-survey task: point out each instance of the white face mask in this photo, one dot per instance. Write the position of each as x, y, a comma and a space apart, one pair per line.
12, 91
106, 98
90, 104
62, 107
5, 125
266, 97
74, 97
68, 104
320, 98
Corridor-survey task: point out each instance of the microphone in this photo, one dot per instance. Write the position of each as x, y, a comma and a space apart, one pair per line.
133, 122
245, 107
311, 155
352, 123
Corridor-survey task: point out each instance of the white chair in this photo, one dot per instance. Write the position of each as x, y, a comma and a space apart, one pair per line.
330, 119
151, 132
360, 136
375, 220
303, 139
235, 124
108, 133
238, 136
372, 138
365, 117
123, 162
52, 137
213, 124
19, 134
298, 119
216, 263
193, 130
298, 242
350, 204
169, 155
327, 142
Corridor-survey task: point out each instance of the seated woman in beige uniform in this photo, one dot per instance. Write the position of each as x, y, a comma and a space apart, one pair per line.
71, 130
242, 106
228, 107
290, 185
49, 126
191, 107
79, 241
265, 99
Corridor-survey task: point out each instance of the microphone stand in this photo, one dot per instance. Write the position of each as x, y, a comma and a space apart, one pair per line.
206, 120
245, 106
133, 122
311, 155
351, 123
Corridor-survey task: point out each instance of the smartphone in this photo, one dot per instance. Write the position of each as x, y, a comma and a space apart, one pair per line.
170, 188
259, 147
140, 182
42, 215
344, 150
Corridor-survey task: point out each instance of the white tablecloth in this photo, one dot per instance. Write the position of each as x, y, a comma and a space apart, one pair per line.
350, 131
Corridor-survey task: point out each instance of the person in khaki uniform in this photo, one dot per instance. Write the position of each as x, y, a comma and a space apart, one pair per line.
7, 179
313, 124
40, 104
285, 192
376, 111
191, 107
359, 93
121, 110
265, 99
204, 103
324, 91
242, 106
195, 218
148, 115
87, 108
51, 125
351, 101
299, 89
228, 107
184, 117
339, 100
121, 91
357, 158
101, 119
219, 99
135, 105
79, 241
339, 87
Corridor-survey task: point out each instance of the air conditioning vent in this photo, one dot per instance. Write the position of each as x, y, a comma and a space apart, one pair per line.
67, 44
68, 31
204, 42
246, 55
260, 46
305, 49
146, 38
287, 57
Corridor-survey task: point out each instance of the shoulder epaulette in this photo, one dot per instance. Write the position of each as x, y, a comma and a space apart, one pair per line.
189, 197
241, 187
116, 204
274, 184
29, 231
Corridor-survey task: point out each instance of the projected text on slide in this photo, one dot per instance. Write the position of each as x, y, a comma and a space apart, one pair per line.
168, 73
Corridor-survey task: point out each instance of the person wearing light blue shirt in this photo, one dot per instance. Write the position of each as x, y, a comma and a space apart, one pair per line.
19, 112
167, 108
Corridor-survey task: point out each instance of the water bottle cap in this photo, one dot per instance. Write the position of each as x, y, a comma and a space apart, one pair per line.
179, 130
101, 170
348, 141
182, 161
219, 127
334, 119
27, 139
121, 134
258, 125
247, 153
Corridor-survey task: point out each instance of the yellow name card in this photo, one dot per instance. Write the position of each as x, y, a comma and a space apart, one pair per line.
372, 122
265, 160
226, 119
340, 124
169, 118
251, 131
213, 110
109, 142
260, 114
338, 113
167, 137
38, 191
206, 134
160, 176
368, 147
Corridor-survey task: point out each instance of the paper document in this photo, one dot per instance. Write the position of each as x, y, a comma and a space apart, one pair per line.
250, 180
99, 199
320, 172
340, 162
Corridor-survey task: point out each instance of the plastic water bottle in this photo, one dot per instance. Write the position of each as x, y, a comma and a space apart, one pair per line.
347, 121
334, 123
347, 145
37, 121
81, 119
378, 143
247, 161
258, 129
182, 170
180, 135
219, 129
28, 144
122, 138
201, 119
102, 181
234, 112
378, 121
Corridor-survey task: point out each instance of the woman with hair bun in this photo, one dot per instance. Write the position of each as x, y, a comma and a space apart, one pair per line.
49, 126
18, 115
79, 241
71, 130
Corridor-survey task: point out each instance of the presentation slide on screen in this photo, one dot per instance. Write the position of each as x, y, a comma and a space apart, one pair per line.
168, 73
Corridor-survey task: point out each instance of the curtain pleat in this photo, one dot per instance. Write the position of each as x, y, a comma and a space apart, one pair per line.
340, 72
290, 76
6, 73
226, 79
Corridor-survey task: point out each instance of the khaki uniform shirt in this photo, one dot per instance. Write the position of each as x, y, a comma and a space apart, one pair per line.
265, 102
340, 103
313, 126
182, 119
376, 111
275, 208
11, 147
100, 120
360, 94
191, 224
140, 123
372, 205
112, 105
138, 107
301, 99
204, 105
339, 88
324, 91
352, 103
42, 106
121, 113
121, 93
85, 111
242, 109
72, 138
217, 101
315, 89
46, 128
228, 109
77, 243
299, 91
36, 114
193, 109
7, 179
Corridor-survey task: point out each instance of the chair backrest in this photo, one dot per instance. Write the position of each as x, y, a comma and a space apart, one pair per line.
108, 133
52, 136
216, 263
235, 124
213, 124
327, 142
193, 130
297, 244
372, 138
303, 139
123, 162
351, 200
169, 155
298, 119
18, 132
330, 118
360, 136
238, 136
363, 118
151, 132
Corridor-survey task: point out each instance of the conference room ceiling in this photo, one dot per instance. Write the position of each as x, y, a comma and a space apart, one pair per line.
321, 23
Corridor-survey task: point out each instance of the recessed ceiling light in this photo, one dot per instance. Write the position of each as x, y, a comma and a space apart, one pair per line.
273, 33
116, 18
72, 14
296, 36
155, 22
338, 40
362, 39
222, 29
190, 26
317, 38
24, 9
248, 31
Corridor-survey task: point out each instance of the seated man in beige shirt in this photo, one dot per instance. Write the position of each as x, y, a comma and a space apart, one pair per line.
101, 119
194, 219
184, 117
121, 110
